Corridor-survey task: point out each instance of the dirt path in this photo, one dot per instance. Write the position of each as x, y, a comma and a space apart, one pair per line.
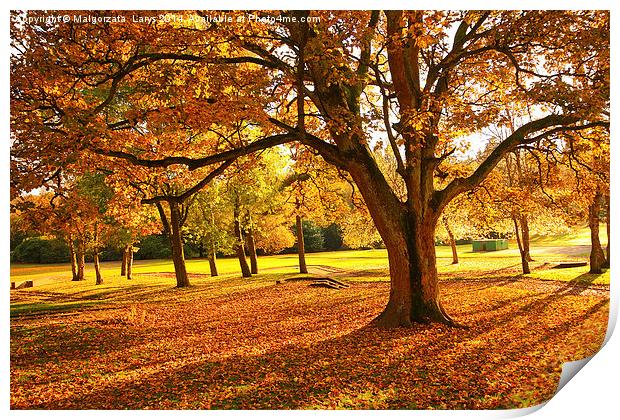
537, 285
325, 270
572, 250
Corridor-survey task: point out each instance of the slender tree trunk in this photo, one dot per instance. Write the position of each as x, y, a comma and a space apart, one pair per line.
176, 243
211, 249
74, 270
99, 277
597, 257
455, 255
129, 262
239, 248
301, 246
252, 250
80, 260
525, 237
124, 262
301, 113
212, 261
607, 262
525, 265
163, 218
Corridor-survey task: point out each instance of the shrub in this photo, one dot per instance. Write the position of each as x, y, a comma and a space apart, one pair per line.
41, 251
332, 235
153, 247
313, 238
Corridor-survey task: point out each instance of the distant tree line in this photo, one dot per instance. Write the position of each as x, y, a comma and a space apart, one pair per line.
34, 249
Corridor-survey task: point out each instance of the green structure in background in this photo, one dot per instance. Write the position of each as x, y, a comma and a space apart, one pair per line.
489, 244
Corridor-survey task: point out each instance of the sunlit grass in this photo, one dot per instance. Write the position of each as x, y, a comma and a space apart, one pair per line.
54, 289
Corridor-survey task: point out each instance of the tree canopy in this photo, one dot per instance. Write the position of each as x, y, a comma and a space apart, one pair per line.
193, 95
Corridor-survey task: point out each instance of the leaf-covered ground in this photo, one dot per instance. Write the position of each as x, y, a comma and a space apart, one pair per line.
232, 343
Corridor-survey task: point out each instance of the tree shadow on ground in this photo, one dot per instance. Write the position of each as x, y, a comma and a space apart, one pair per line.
585, 279
291, 347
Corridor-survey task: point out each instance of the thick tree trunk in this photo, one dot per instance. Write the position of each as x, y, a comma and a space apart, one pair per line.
98, 276
407, 229
249, 238
129, 262
212, 261
408, 232
301, 247
176, 243
239, 248
525, 265
80, 260
597, 257
414, 294
455, 255
124, 262
74, 270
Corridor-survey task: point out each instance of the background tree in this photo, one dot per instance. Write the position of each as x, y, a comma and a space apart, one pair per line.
455, 224
94, 196
133, 222
207, 224
253, 197
314, 190
586, 155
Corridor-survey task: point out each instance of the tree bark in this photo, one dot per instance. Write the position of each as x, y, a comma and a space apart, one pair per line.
414, 292
597, 257
74, 270
301, 247
408, 231
211, 249
98, 276
176, 243
80, 260
252, 250
124, 262
129, 262
239, 248
525, 237
212, 261
525, 265
455, 255
607, 262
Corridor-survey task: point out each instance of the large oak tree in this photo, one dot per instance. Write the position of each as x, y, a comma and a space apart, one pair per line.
430, 77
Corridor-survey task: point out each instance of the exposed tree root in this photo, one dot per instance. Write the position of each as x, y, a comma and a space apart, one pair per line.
394, 318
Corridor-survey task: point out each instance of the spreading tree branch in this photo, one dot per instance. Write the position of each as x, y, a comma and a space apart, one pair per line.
195, 163
518, 137
179, 199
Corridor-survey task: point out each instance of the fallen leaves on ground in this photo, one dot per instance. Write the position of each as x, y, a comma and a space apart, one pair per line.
292, 346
